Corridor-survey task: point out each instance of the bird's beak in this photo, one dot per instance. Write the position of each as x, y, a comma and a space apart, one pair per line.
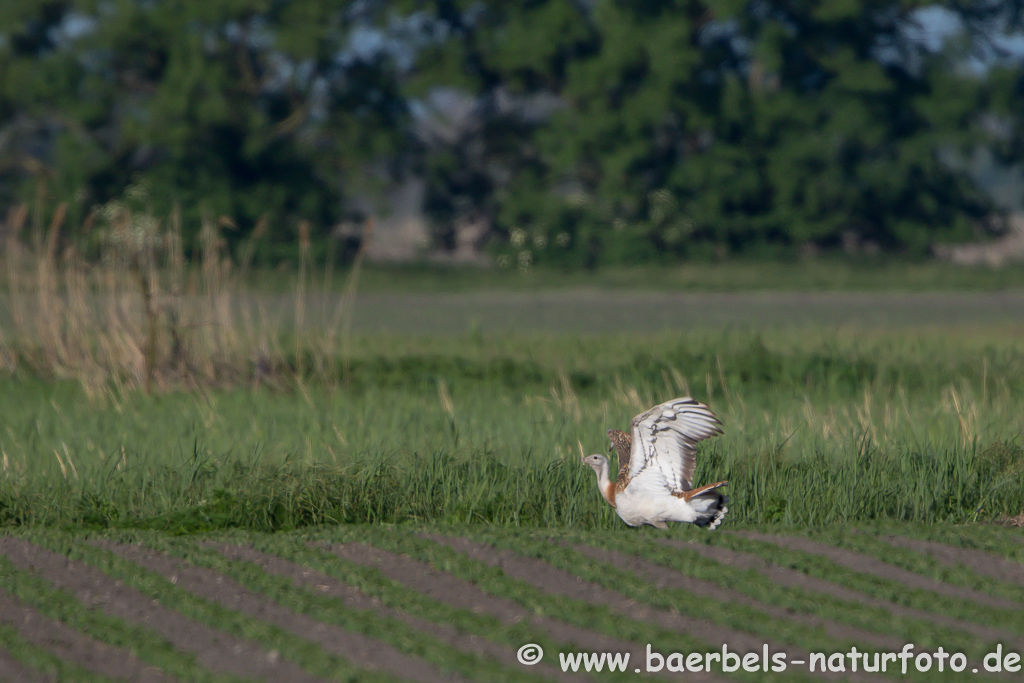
583, 460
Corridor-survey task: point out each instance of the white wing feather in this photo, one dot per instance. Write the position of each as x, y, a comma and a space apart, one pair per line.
665, 442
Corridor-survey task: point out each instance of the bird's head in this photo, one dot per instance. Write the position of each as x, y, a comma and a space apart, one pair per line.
597, 461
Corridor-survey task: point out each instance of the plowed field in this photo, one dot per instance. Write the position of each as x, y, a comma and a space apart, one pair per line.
456, 604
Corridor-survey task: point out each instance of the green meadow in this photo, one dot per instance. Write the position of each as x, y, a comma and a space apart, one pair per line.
822, 425
146, 390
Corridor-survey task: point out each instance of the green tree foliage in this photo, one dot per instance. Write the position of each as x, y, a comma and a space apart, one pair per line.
241, 108
586, 132
504, 64
815, 140
692, 129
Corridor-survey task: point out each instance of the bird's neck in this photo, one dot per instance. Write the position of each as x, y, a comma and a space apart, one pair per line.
606, 485
623, 443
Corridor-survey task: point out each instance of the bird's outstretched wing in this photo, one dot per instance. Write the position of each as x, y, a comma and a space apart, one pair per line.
665, 440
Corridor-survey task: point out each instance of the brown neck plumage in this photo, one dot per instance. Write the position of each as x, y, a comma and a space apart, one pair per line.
623, 444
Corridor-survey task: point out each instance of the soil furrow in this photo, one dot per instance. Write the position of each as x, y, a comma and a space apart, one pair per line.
784, 576
435, 584
353, 597
12, 671
75, 647
356, 648
213, 649
551, 579
667, 578
978, 561
865, 564
455, 592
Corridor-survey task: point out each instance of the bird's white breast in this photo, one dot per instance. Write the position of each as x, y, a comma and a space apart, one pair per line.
637, 507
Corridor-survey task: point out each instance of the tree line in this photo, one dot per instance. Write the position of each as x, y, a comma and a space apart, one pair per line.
579, 132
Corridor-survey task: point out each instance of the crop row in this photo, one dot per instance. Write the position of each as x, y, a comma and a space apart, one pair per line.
446, 603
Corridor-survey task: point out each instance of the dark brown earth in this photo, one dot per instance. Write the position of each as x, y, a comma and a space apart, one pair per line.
978, 561
214, 650
11, 670
215, 587
448, 589
73, 646
666, 578
303, 576
745, 642
222, 652
462, 594
784, 576
553, 580
869, 565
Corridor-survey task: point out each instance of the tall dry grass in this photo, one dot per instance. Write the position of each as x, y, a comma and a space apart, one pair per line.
139, 315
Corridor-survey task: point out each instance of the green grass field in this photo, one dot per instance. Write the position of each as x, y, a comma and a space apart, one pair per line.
820, 427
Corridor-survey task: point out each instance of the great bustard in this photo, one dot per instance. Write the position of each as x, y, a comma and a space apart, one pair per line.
656, 465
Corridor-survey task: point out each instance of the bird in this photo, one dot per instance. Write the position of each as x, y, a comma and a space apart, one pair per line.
656, 464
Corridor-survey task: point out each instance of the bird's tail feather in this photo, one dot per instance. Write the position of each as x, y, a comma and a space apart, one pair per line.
711, 509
